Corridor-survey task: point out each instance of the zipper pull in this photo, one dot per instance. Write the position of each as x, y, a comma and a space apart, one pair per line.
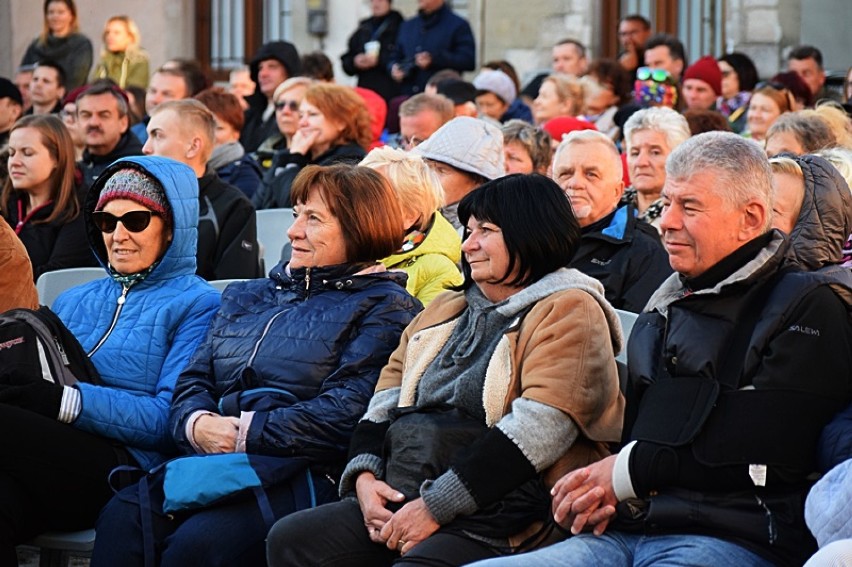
123, 297
307, 279
61, 350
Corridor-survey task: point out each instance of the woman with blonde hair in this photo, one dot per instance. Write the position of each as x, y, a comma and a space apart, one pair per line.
287, 99
42, 196
61, 41
766, 105
431, 247
559, 95
122, 59
334, 127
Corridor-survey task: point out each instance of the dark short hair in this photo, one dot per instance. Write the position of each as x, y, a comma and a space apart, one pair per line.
675, 46
61, 77
581, 49
646, 23
317, 65
190, 70
744, 67
364, 204
100, 87
806, 52
539, 227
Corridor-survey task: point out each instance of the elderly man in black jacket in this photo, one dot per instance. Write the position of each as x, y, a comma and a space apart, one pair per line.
618, 250
227, 225
735, 367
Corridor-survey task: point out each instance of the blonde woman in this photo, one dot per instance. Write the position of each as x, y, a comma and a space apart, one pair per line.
122, 60
559, 95
431, 247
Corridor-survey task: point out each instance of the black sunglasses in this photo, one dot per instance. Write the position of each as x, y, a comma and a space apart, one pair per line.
293, 105
134, 221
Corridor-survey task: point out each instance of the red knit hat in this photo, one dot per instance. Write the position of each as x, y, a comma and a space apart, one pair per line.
561, 125
707, 70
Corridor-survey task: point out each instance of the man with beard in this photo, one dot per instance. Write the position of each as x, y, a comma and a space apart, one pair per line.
102, 118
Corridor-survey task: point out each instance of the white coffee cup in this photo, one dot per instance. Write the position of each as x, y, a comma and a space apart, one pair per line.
372, 48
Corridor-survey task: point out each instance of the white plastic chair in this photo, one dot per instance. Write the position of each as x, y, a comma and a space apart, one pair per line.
272, 225
50, 284
627, 320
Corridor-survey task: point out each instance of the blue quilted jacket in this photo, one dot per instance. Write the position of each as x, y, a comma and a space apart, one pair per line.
141, 343
303, 351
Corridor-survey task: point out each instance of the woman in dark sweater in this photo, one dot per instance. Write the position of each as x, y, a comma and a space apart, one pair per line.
41, 198
61, 41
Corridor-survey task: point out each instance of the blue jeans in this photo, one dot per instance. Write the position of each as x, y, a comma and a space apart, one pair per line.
618, 549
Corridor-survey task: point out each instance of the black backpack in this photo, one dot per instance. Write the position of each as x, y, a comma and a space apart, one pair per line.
35, 344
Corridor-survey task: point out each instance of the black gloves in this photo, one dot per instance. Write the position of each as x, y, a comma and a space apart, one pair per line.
41, 397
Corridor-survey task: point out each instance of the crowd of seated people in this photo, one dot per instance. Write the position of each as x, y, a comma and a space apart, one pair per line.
432, 362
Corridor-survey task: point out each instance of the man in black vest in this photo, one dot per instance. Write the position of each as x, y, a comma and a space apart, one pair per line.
735, 366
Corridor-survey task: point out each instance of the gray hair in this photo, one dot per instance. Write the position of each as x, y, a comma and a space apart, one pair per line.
534, 140
658, 119
588, 137
740, 167
811, 131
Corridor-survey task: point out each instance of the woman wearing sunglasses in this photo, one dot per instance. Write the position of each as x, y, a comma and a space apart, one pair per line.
334, 127
41, 197
286, 371
139, 326
286, 99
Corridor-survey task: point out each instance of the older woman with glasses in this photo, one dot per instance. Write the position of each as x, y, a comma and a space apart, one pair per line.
334, 127
139, 326
286, 99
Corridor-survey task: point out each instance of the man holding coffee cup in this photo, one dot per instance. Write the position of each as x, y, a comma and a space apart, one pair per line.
370, 48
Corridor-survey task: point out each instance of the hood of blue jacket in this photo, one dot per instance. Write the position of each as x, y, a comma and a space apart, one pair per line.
181, 188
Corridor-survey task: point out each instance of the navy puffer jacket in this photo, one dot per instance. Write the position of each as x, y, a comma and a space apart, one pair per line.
303, 351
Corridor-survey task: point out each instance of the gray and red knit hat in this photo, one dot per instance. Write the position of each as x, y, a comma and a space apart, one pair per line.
136, 186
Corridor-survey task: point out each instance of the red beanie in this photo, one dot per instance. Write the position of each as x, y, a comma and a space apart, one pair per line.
561, 125
707, 70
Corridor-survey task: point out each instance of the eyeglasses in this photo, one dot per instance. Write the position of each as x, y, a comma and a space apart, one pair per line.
134, 221
774, 85
657, 75
68, 115
293, 105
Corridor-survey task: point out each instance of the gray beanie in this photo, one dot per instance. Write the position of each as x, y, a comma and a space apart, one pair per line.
468, 144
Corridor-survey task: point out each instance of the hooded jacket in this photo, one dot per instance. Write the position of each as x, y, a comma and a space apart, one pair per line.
558, 352
825, 219
431, 266
141, 338
303, 351
256, 129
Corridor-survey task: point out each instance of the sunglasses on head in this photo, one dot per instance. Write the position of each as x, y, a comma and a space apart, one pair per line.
657, 75
291, 104
134, 221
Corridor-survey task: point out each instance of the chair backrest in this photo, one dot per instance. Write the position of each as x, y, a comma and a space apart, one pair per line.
222, 284
627, 320
272, 225
50, 284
